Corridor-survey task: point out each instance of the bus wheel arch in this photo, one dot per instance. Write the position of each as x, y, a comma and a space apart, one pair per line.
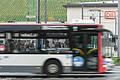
52, 67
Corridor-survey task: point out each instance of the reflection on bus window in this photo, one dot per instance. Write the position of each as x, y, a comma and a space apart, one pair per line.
23, 42
53, 44
2, 45
24, 45
78, 41
88, 41
107, 44
92, 42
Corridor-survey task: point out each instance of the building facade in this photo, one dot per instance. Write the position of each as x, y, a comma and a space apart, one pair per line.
104, 13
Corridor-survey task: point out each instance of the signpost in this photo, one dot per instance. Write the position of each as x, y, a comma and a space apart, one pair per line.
99, 14
118, 28
38, 12
45, 4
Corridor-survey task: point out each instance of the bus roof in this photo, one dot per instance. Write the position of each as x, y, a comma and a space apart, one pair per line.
38, 24
29, 27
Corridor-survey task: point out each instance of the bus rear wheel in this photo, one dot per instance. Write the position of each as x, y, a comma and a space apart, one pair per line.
53, 68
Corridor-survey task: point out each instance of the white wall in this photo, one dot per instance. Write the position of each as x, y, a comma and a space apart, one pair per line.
73, 13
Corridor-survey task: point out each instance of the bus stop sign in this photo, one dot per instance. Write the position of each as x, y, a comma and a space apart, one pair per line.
110, 14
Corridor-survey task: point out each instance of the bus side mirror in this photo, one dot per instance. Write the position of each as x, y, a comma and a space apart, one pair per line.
114, 38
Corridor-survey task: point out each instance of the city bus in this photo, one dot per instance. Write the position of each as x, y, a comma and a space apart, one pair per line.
54, 49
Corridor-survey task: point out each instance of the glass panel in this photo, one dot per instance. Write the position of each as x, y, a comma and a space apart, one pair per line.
56, 35
86, 47
92, 41
78, 41
24, 35
28, 34
2, 41
92, 51
22, 43
55, 28
85, 42
55, 45
2, 35
107, 44
15, 35
25, 45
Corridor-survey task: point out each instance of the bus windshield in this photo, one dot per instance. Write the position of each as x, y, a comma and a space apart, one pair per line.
85, 41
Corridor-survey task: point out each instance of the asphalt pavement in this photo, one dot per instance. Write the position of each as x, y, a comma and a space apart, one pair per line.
110, 75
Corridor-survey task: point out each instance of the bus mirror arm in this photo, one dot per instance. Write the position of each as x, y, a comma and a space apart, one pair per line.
114, 38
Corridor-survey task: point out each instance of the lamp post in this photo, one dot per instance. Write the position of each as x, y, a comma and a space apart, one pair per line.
118, 28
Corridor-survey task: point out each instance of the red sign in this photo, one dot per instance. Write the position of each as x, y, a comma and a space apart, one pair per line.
110, 14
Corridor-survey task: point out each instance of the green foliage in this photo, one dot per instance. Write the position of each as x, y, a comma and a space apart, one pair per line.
116, 60
12, 9
17, 10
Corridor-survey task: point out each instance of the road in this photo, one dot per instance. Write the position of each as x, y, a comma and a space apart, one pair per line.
111, 75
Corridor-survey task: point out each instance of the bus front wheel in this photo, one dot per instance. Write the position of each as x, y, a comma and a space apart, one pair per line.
52, 68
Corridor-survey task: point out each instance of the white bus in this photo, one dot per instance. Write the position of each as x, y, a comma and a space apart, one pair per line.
52, 49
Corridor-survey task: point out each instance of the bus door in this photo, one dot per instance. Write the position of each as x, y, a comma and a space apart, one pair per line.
84, 46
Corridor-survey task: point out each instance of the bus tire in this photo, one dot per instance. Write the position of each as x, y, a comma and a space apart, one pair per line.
52, 68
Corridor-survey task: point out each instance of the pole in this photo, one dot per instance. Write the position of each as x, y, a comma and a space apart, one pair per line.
115, 32
115, 25
82, 11
118, 28
99, 16
45, 4
38, 12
